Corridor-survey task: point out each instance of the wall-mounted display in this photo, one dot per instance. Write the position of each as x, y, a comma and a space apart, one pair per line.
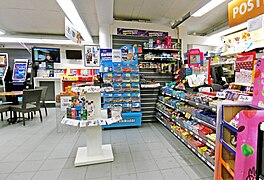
91, 56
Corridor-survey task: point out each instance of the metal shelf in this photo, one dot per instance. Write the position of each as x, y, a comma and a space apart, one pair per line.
161, 49
192, 102
206, 142
228, 147
194, 118
188, 145
230, 127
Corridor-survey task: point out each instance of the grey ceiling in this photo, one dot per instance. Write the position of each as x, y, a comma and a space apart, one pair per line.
46, 17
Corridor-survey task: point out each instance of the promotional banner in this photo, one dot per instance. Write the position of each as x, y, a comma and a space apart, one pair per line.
137, 32
71, 33
91, 54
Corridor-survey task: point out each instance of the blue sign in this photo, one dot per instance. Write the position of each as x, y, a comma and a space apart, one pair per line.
106, 54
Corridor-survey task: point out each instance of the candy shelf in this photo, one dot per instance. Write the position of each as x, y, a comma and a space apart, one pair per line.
206, 142
161, 49
192, 102
188, 145
194, 118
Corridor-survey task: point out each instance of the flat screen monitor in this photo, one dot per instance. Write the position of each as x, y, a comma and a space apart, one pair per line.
217, 73
19, 72
73, 54
40, 54
2, 71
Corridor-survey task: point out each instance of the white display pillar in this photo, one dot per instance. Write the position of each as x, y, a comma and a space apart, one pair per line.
94, 152
105, 36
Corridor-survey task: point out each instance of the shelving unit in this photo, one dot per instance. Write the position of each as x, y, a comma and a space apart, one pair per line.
148, 95
173, 123
209, 163
225, 150
124, 78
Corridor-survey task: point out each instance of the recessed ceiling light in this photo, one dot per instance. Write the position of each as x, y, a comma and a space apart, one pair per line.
208, 7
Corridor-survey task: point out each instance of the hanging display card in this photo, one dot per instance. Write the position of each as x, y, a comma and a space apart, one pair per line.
258, 93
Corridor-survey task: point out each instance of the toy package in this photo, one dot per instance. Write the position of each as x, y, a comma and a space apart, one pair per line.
126, 97
107, 77
134, 77
135, 107
134, 87
126, 68
117, 87
117, 67
126, 87
126, 107
117, 98
108, 97
126, 77
135, 97
117, 77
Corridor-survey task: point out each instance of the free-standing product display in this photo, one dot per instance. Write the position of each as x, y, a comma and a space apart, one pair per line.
88, 114
123, 74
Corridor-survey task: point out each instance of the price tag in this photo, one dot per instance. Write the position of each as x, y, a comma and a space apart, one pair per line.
244, 98
199, 155
75, 123
203, 158
221, 95
193, 150
83, 123
213, 109
188, 115
189, 146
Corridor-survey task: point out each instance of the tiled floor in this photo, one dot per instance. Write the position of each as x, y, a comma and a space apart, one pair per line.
43, 151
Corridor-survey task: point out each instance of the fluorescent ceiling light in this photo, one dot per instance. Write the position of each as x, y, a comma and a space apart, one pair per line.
71, 12
231, 30
35, 41
208, 7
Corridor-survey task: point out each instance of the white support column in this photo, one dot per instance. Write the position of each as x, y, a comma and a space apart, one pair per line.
105, 36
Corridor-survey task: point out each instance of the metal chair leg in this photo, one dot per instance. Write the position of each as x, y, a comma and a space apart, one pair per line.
46, 111
40, 115
2, 118
24, 123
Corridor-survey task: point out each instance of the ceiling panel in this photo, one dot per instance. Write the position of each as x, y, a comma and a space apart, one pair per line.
212, 20
88, 14
39, 5
32, 21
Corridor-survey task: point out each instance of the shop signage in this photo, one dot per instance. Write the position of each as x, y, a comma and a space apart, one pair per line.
71, 32
116, 55
240, 11
106, 54
137, 32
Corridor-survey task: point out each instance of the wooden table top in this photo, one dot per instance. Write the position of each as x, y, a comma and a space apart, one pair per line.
12, 93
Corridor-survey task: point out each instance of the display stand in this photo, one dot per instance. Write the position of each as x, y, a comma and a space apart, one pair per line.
94, 152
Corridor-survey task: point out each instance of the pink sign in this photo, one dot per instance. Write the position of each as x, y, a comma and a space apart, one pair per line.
247, 143
258, 93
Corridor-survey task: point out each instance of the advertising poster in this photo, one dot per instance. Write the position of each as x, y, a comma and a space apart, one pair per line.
91, 56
